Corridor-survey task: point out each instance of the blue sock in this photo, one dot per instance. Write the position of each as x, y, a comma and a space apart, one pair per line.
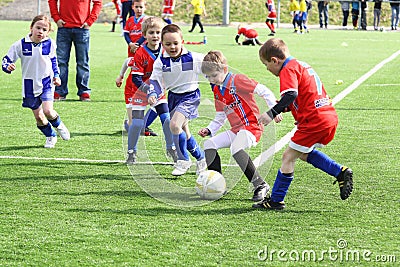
167, 131
323, 162
55, 122
47, 130
281, 186
168, 21
134, 133
150, 116
194, 148
181, 143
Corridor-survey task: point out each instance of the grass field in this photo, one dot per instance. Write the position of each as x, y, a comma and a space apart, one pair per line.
79, 205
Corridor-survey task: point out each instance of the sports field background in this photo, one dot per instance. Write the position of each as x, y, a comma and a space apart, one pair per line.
79, 205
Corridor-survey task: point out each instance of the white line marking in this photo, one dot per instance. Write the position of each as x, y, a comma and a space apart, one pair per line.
264, 156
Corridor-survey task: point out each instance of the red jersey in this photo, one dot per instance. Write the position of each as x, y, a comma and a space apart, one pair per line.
75, 12
269, 4
236, 98
312, 108
133, 26
142, 63
248, 33
168, 7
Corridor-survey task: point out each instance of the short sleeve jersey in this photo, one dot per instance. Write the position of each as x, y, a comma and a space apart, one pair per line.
235, 97
312, 108
142, 63
133, 26
248, 33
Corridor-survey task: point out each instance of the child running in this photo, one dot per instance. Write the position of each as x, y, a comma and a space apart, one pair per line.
234, 100
142, 66
303, 93
269, 4
39, 75
177, 71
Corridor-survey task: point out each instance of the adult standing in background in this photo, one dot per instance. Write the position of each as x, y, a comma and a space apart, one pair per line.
126, 9
346, 12
74, 18
323, 8
395, 6
199, 9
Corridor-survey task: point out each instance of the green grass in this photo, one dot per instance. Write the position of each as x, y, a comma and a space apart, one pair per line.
94, 213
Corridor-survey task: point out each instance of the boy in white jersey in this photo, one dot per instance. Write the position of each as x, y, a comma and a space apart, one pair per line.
39, 75
177, 70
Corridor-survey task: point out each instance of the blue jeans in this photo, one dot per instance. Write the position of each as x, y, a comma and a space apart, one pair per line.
395, 16
80, 38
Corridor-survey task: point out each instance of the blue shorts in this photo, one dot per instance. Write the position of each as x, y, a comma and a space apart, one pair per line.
35, 102
186, 103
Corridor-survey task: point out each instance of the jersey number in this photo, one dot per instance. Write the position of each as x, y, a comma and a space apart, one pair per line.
317, 80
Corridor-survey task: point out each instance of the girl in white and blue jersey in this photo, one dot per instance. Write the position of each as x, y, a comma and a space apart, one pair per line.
39, 75
177, 70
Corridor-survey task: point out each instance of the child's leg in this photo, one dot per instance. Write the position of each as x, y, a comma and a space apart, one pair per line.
55, 119
211, 146
163, 113
323, 162
150, 116
192, 145
134, 130
179, 136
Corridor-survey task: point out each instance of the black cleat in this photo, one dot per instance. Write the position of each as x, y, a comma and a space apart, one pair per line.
345, 181
260, 192
268, 204
131, 159
148, 132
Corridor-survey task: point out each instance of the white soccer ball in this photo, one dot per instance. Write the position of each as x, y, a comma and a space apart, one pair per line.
210, 185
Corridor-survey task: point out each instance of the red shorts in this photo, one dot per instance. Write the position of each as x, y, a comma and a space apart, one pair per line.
306, 141
134, 97
272, 15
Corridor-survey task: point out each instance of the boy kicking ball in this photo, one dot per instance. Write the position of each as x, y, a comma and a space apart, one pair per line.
303, 93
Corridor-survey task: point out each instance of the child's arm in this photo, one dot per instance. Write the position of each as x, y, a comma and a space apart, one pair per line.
7, 65
214, 125
282, 105
156, 88
120, 78
269, 98
8, 61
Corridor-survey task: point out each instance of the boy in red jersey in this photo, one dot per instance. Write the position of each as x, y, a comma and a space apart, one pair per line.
168, 10
142, 67
251, 36
133, 27
269, 4
234, 100
304, 94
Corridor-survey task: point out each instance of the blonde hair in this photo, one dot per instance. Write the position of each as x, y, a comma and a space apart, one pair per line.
41, 17
213, 61
152, 22
274, 47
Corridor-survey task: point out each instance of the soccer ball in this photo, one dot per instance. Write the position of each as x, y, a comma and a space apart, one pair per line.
210, 185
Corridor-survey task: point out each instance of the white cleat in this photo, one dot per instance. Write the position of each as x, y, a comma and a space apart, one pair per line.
63, 131
181, 167
201, 166
50, 142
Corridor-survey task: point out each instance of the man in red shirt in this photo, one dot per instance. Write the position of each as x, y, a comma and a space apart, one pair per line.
303, 93
74, 18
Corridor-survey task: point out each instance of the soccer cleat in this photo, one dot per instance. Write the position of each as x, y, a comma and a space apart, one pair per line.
201, 166
268, 204
57, 97
172, 154
131, 159
345, 181
181, 167
148, 132
50, 142
271, 34
85, 97
260, 192
63, 131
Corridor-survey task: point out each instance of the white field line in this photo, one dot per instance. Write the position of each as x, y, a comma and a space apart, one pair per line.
264, 156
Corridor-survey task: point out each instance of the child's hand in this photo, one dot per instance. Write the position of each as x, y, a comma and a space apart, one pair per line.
264, 119
278, 118
11, 67
133, 47
152, 100
118, 81
57, 81
204, 132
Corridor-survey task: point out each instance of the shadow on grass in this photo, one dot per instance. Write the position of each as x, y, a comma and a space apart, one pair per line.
117, 133
10, 148
108, 177
124, 193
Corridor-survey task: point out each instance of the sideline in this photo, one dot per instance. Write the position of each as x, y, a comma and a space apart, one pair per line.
263, 157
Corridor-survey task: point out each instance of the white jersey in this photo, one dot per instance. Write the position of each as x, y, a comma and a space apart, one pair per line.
38, 63
179, 75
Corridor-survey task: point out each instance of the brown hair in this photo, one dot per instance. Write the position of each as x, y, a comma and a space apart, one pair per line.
274, 47
152, 22
41, 17
171, 28
213, 61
